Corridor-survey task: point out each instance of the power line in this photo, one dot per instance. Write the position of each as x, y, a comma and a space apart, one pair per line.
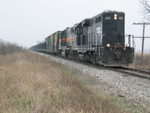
143, 36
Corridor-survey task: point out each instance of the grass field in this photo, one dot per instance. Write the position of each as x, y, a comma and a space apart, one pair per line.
30, 83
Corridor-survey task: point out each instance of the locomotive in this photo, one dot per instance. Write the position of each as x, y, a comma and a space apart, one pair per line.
100, 40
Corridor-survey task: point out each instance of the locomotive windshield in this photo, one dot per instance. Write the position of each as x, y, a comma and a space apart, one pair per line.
113, 23
114, 17
113, 27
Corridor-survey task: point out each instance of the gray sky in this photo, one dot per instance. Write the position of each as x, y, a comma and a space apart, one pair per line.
28, 21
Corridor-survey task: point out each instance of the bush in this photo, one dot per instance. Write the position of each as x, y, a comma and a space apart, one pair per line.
6, 47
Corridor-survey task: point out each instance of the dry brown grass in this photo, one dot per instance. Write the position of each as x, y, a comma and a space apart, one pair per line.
30, 83
145, 62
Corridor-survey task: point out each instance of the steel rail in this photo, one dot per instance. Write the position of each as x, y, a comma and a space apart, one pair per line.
128, 71
133, 72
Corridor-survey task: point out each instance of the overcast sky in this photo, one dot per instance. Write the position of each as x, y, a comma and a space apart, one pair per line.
27, 22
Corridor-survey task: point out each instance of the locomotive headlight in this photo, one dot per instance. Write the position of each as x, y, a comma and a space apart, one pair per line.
127, 45
115, 16
108, 45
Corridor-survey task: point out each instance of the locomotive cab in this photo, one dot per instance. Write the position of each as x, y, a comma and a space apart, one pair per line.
115, 53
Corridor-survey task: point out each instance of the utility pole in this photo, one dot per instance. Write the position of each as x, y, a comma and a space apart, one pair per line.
143, 36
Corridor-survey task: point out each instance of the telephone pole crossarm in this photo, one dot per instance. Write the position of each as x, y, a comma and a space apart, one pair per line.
141, 23
141, 37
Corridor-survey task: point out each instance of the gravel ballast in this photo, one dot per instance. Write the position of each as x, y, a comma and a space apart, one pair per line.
131, 88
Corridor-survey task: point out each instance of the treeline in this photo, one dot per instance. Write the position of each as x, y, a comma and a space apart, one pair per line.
7, 47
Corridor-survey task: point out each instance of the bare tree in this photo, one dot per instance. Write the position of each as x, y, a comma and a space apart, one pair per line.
146, 9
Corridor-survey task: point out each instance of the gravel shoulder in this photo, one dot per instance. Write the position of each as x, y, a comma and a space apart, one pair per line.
131, 88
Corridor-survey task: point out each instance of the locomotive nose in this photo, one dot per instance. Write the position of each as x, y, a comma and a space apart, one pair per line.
118, 55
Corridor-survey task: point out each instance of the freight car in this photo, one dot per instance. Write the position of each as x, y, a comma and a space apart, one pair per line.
100, 40
52, 43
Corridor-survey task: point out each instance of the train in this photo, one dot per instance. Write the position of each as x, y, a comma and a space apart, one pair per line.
99, 40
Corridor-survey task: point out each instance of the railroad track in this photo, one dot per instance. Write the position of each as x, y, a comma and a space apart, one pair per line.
133, 72
128, 71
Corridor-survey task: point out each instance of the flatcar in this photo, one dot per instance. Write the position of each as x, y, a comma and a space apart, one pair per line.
100, 40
